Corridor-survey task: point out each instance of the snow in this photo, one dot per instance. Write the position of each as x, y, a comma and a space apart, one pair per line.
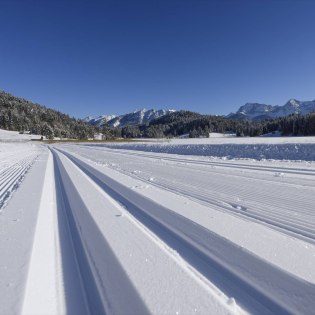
147, 262
266, 244
99, 121
260, 148
6, 135
224, 194
43, 271
178, 226
15, 161
17, 226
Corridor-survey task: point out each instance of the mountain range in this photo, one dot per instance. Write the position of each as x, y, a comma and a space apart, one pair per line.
259, 112
138, 117
247, 112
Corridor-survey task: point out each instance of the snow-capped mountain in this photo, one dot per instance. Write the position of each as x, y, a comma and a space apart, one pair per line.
256, 111
99, 121
138, 117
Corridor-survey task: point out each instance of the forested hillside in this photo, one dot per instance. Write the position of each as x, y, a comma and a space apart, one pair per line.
293, 125
21, 115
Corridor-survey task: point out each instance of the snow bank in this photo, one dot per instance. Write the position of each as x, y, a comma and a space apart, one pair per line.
280, 151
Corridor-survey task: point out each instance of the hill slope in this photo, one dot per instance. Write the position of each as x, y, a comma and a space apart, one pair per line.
20, 114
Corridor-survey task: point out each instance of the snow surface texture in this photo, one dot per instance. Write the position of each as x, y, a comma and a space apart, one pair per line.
15, 161
115, 231
250, 148
9, 136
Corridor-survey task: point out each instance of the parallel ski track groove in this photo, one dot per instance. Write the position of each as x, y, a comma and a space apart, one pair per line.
181, 240
191, 161
11, 176
303, 227
269, 210
96, 288
89, 286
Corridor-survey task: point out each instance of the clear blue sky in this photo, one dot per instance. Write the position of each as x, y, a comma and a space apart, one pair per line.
89, 57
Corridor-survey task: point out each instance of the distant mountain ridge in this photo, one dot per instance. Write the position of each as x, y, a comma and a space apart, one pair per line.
248, 112
99, 121
258, 112
138, 117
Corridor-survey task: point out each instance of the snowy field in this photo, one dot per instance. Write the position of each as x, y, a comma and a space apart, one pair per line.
161, 227
259, 148
10, 136
15, 161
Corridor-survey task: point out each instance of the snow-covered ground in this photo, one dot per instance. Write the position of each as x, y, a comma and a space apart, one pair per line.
259, 148
132, 229
10, 136
15, 161
218, 138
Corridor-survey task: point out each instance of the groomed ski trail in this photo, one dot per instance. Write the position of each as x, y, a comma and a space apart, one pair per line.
114, 240
233, 270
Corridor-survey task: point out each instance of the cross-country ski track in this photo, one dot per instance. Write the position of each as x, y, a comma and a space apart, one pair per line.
96, 230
